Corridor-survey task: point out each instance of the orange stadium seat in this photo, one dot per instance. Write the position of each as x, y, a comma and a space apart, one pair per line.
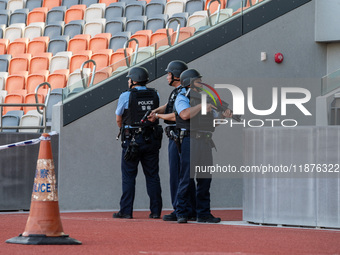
118, 58
79, 43
51, 3
102, 58
58, 79
13, 99
37, 15
184, 33
38, 45
160, 37
77, 60
99, 42
33, 80
30, 99
75, 12
3, 46
107, 2
18, 46
214, 6
15, 83
40, 62
143, 37
19, 63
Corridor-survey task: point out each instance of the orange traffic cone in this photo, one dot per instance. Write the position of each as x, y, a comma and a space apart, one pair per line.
44, 225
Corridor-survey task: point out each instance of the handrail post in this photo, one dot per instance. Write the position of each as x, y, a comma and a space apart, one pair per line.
177, 30
46, 101
93, 72
218, 12
136, 51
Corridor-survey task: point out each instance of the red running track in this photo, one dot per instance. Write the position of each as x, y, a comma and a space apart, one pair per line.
101, 234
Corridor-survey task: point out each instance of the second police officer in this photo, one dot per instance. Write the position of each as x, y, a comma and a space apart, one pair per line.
141, 141
174, 70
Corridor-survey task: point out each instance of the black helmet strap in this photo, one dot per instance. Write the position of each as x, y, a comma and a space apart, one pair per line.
173, 79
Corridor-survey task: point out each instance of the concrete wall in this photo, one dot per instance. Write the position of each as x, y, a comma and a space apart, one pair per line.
89, 172
326, 20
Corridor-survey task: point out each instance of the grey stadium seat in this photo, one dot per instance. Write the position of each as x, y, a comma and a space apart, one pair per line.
117, 41
18, 16
69, 3
115, 10
56, 96
154, 8
31, 4
192, 6
182, 17
156, 22
134, 9
135, 24
58, 44
89, 2
4, 17
12, 119
4, 62
56, 14
115, 26
54, 29
74, 27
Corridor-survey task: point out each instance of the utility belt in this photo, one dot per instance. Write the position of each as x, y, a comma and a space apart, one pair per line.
146, 132
168, 132
207, 136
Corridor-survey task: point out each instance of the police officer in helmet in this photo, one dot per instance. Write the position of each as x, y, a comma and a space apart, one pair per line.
141, 141
165, 112
196, 140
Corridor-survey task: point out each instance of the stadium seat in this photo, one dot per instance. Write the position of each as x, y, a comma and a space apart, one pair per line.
99, 42
58, 79
54, 29
70, 3
134, 9
184, 33
74, 27
40, 62
154, 7
4, 62
107, 2
114, 10
174, 6
89, 2
198, 19
18, 16
144, 53
32, 4
19, 63
49, 4
37, 15
192, 6
30, 99
60, 61
118, 40
143, 37
18, 46
102, 58
33, 80
4, 17
94, 12
56, 96
58, 44
74, 80
181, 17
79, 43
55, 14
118, 58
3, 46
2, 29
12, 119
94, 27
224, 14
3, 4
15, 83
214, 5
31, 118
75, 12
13, 99
38, 45
3, 78
160, 38
115, 25
156, 22
78, 59
14, 31
34, 30
135, 24
13, 5
100, 76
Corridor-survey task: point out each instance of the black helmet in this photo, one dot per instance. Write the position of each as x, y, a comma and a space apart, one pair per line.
176, 67
188, 76
138, 74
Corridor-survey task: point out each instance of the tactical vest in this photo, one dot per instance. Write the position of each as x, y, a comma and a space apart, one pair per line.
140, 101
171, 102
199, 122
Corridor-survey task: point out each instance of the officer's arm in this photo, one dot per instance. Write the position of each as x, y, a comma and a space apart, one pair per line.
169, 116
119, 120
160, 109
190, 112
